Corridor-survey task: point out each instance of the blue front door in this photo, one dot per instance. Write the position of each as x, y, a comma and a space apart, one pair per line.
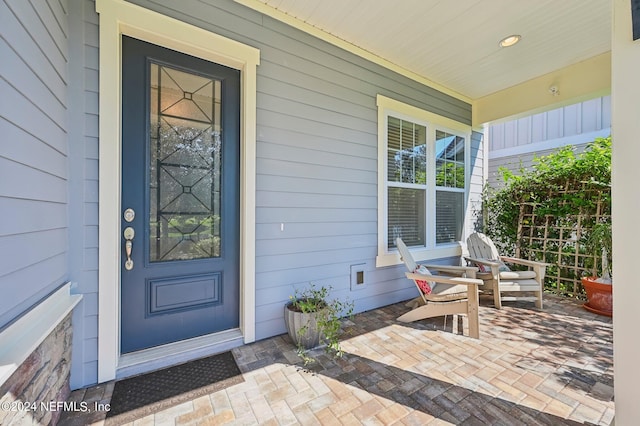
180, 196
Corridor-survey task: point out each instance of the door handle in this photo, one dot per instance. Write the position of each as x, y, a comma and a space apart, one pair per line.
128, 234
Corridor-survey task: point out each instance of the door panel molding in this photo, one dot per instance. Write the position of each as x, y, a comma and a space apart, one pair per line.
118, 18
162, 293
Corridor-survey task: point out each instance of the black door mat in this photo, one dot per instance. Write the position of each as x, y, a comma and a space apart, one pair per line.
139, 396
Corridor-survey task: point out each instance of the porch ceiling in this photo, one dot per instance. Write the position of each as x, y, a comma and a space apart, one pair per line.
454, 44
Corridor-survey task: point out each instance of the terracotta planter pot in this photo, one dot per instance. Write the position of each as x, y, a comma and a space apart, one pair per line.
295, 321
599, 296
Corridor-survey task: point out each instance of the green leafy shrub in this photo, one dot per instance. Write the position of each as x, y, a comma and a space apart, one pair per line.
570, 193
314, 299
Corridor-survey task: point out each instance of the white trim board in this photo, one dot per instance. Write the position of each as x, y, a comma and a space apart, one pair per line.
118, 18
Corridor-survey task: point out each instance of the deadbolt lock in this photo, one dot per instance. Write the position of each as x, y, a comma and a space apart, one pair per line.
129, 215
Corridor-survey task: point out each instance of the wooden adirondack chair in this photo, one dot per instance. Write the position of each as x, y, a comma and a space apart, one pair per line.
447, 294
498, 277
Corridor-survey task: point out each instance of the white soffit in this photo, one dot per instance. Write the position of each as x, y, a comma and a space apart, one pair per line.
455, 43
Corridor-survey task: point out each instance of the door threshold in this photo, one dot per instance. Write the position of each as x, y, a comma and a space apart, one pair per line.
163, 356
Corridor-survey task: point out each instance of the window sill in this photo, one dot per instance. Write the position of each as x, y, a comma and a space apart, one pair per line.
420, 254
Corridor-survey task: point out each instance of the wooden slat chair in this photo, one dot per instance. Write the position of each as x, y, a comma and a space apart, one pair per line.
497, 276
449, 294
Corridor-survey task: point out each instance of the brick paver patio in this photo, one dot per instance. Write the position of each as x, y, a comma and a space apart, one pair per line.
548, 367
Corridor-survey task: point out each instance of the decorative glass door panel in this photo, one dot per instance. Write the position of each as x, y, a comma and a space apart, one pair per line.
180, 197
185, 165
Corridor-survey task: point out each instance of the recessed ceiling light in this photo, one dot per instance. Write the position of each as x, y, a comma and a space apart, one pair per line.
510, 40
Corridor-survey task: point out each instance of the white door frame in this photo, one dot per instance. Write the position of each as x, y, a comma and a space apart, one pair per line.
118, 18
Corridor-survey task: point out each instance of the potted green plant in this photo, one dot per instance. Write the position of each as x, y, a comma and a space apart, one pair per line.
312, 320
599, 286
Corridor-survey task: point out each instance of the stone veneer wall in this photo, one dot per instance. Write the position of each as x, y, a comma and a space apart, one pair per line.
43, 377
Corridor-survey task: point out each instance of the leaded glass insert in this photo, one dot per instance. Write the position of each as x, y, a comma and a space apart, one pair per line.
185, 165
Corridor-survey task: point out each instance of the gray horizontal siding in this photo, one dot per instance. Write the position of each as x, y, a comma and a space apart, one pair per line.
317, 185
316, 158
31, 43
28, 285
31, 150
269, 231
285, 214
33, 153
36, 216
27, 115
22, 251
24, 181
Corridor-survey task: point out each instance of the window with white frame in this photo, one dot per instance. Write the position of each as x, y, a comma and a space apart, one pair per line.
423, 167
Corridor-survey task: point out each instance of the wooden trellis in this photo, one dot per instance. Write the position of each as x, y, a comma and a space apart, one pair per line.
559, 239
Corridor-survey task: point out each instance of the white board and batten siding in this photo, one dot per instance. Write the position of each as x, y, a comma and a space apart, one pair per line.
514, 144
33, 153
